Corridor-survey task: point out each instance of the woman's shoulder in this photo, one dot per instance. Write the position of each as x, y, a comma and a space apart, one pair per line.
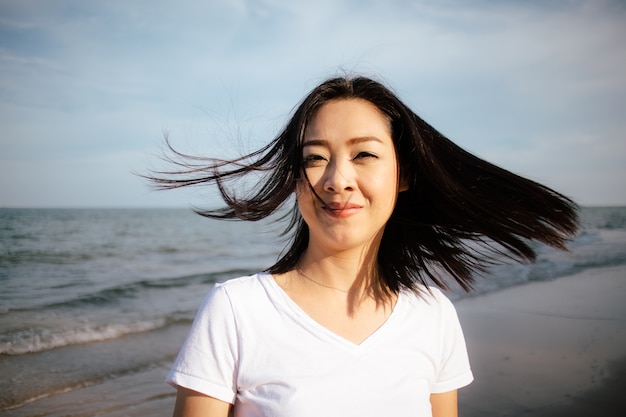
243, 282
232, 294
246, 287
430, 307
427, 297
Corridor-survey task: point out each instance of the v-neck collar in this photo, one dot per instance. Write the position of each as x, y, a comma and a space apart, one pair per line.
284, 302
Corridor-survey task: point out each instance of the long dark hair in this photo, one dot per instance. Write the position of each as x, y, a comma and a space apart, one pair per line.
458, 213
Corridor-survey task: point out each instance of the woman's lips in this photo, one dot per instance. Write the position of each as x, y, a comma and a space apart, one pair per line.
341, 210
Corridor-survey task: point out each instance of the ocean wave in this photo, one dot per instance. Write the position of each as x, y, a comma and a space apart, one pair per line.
609, 218
34, 340
113, 295
37, 256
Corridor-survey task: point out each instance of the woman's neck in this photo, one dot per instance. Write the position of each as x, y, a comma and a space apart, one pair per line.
351, 272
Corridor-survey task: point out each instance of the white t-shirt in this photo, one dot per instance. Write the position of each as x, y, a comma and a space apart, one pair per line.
251, 345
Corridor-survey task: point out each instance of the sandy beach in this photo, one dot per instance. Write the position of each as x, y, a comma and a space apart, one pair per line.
552, 348
548, 348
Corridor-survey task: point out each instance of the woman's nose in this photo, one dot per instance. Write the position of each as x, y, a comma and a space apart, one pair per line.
338, 177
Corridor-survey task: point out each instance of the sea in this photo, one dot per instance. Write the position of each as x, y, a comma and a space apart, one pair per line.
102, 298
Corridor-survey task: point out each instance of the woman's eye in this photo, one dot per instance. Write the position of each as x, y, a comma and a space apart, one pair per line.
365, 155
313, 160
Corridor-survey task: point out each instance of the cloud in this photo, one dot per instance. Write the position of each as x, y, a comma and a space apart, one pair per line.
517, 82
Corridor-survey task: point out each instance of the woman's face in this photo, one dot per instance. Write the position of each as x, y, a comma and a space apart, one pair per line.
350, 162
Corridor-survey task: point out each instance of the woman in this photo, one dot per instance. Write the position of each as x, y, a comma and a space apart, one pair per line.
350, 320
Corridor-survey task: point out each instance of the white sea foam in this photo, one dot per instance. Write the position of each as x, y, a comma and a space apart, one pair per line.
38, 340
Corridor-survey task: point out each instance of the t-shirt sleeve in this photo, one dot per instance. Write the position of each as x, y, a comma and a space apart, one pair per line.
454, 367
207, 361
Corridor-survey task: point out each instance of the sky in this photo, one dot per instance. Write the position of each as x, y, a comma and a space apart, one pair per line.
88, 89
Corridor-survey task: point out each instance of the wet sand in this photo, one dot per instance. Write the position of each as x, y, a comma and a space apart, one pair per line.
543, 349
548, 348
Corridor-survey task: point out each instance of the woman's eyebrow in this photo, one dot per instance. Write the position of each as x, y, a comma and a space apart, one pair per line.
353, 141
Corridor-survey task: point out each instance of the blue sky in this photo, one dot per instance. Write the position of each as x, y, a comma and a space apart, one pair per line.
87, 88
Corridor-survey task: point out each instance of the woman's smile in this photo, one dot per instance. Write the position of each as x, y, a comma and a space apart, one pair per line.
341, 210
